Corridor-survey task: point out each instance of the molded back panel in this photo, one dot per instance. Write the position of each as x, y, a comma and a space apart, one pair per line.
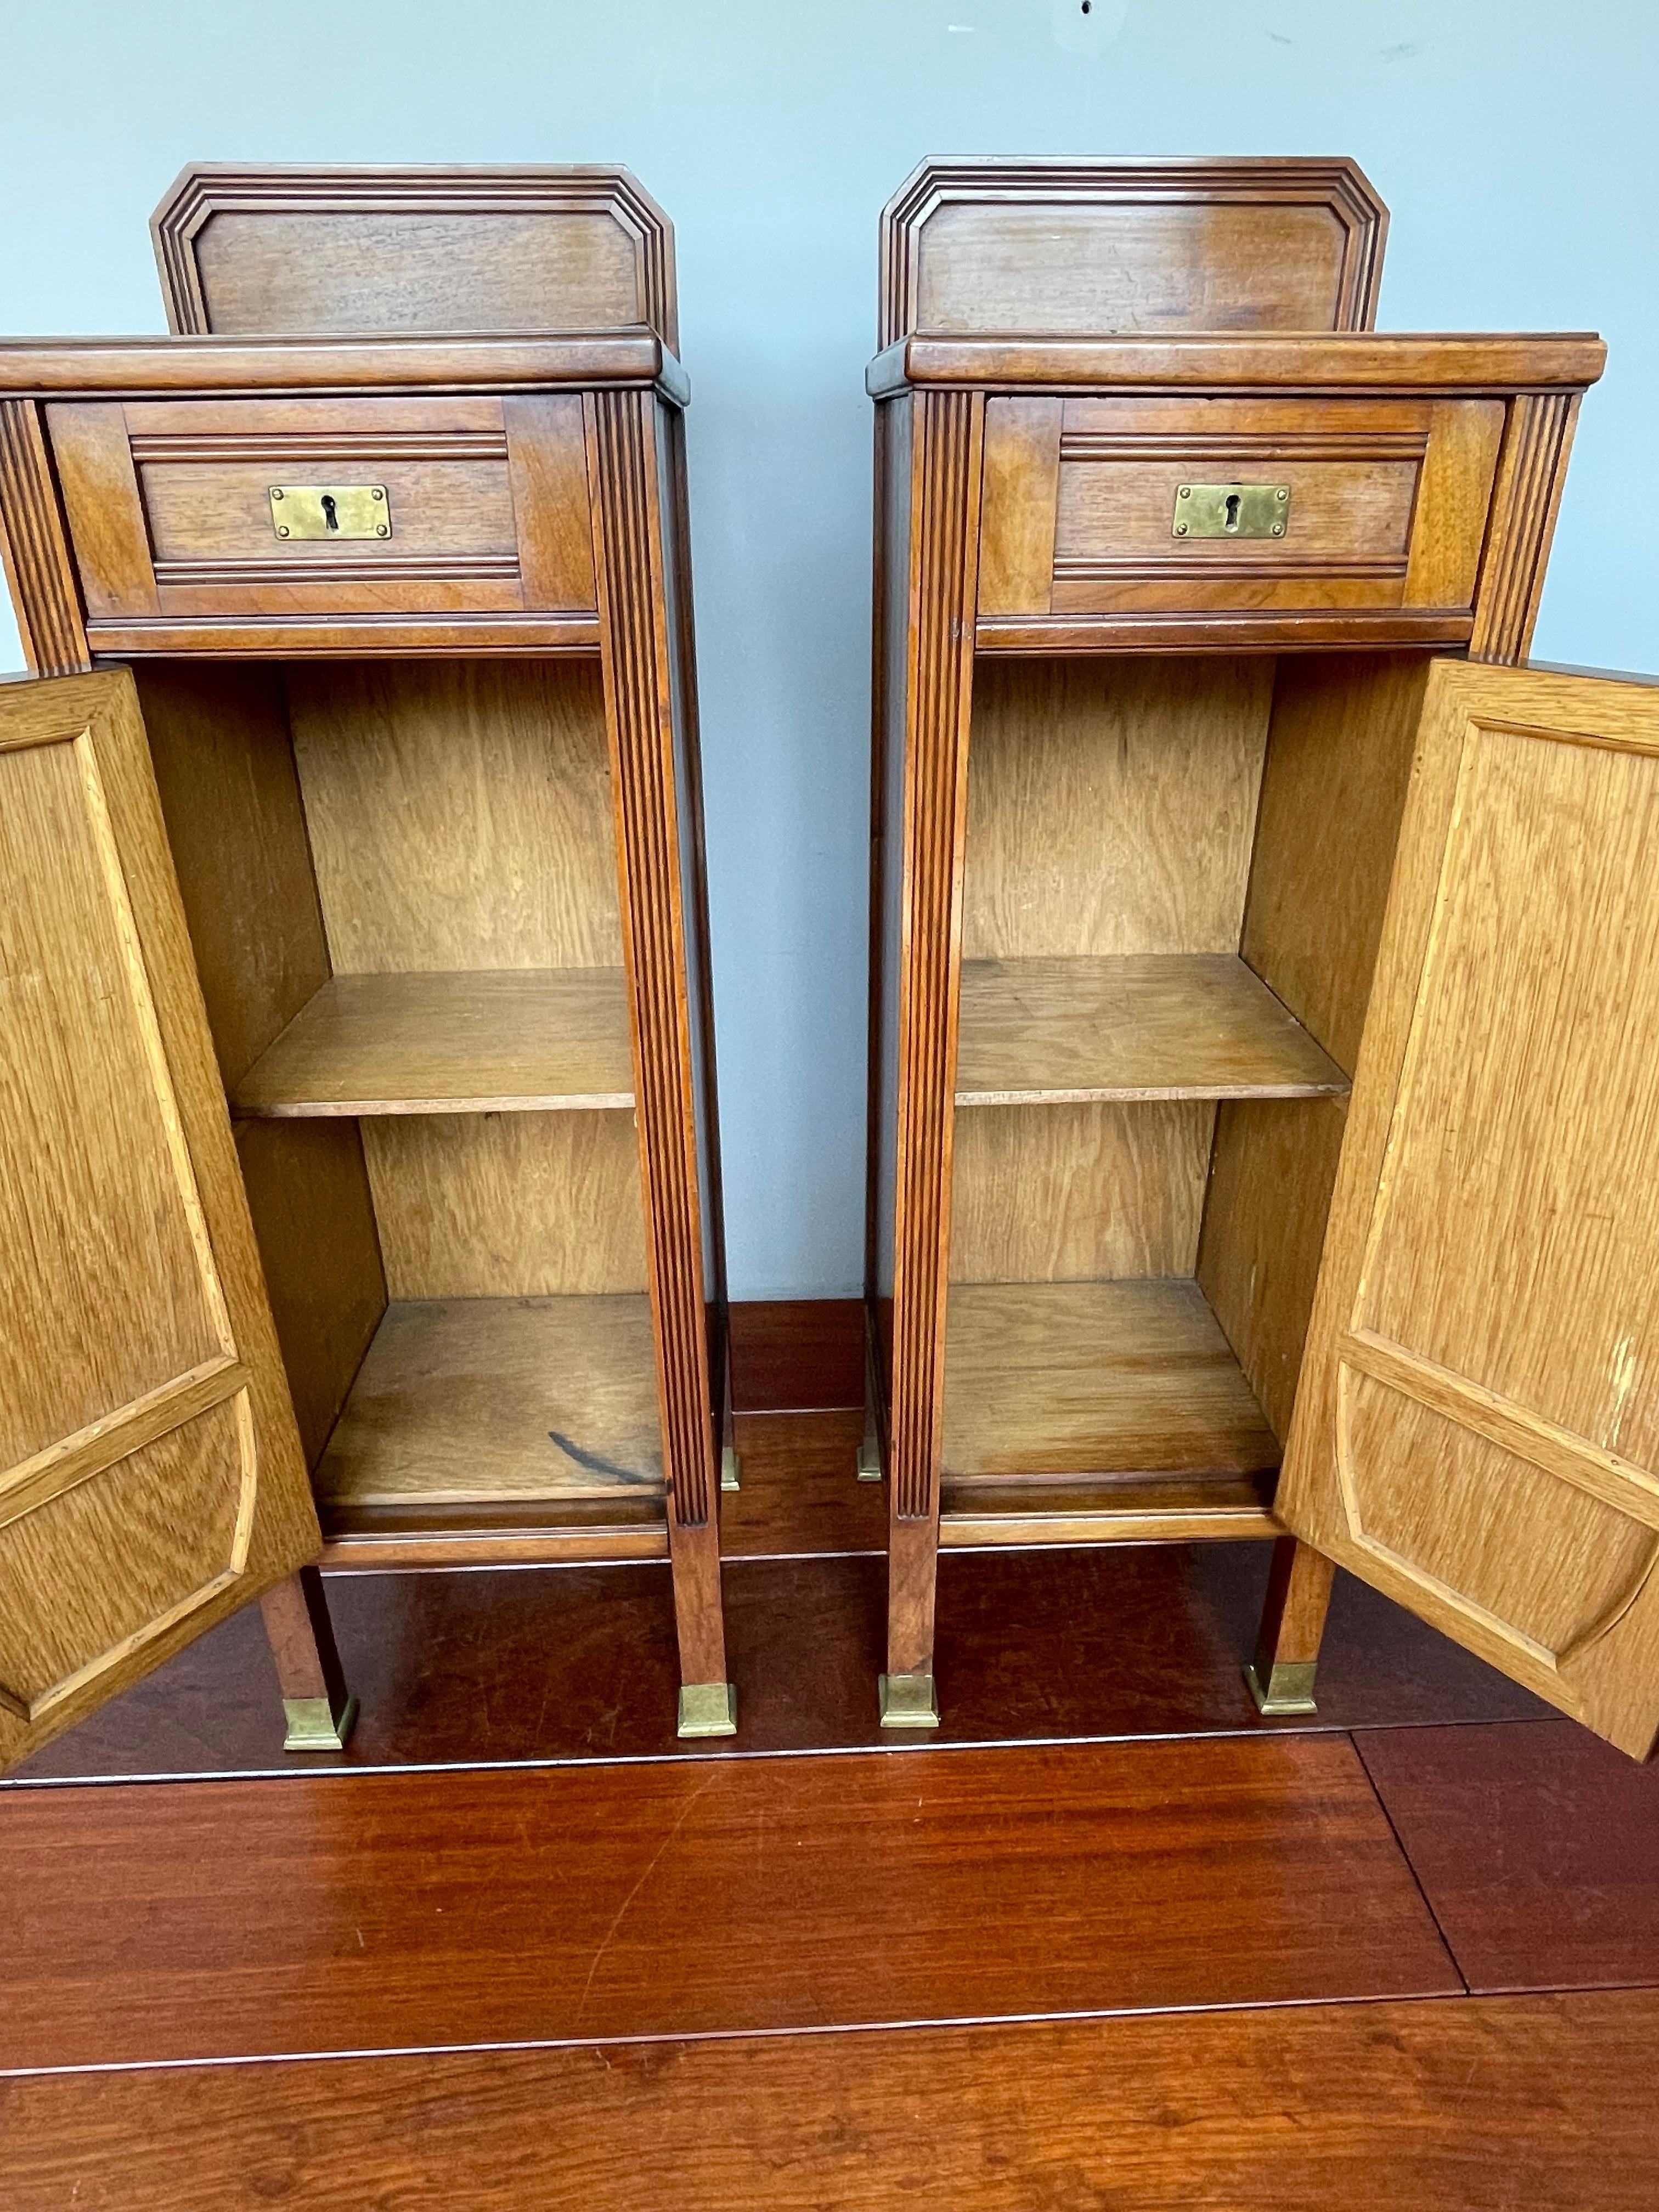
267, 251
1074, 249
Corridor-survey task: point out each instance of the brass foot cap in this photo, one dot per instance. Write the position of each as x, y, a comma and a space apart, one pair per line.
1288, 1689
708, 1708
312, 1725
908, 1701
869, 1461
730, 1468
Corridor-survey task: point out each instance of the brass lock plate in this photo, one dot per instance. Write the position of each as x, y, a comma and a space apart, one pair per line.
331, 511
1233, 510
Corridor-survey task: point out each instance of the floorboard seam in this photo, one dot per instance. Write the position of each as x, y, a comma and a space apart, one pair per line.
963, 2023
1428, 1906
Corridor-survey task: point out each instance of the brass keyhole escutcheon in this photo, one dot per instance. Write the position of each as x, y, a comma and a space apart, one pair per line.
1231, 510
331, 511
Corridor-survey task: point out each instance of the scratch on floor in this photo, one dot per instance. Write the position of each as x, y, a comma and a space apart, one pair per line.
609, 1936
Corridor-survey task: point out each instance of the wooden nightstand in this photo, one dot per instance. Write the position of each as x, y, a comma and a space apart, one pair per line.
363, 1138
1179, 605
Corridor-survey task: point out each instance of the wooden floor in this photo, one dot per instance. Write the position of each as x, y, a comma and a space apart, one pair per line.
1108, 1941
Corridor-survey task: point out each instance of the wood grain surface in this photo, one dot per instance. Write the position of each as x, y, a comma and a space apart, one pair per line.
1535, 1848
459, 813
1130, 1028
485, 1042
701, 1897
1111, 805
1472, 2106
223, 759
1094, 1378
1065, 1194
800, 1494
1501, 1137
1127, 1509
151, 1477
797, 1355
490, 1205
578, 1663
1087, 246
308, 246
1546, 364
463, 1399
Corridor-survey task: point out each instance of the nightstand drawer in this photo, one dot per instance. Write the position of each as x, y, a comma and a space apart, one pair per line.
242, 511
1129, 505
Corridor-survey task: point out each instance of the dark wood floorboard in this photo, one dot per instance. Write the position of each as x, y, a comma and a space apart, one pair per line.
1538, 1849
1500, 2104
386, 1911
797, 1355
574, 1664
800, 1493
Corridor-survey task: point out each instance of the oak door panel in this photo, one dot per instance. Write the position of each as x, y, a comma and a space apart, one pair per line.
150, 1475
1477, 1430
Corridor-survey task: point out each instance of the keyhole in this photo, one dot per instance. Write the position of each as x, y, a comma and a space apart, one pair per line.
332, 520
1231, 522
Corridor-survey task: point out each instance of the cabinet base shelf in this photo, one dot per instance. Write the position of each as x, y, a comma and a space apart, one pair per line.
531, 1423
1132, 1377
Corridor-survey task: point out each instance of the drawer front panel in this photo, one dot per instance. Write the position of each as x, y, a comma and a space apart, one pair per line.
213, 519
1387, 504
170, 511
1349, 520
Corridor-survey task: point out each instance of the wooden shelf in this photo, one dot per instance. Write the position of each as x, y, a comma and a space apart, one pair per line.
496, 1403
1051, 1380
495, 1041
1139, 1026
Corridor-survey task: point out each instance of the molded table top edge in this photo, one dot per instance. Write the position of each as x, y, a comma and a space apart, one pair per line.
93, 367
1340, 362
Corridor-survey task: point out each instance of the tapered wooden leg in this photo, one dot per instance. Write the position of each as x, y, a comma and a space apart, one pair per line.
1281, 1675
321, 1710
908, 1696
708, 1703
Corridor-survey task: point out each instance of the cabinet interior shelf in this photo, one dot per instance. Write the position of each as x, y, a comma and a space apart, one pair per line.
492, 1041
1097, 1412
1131, 1028
478, 1405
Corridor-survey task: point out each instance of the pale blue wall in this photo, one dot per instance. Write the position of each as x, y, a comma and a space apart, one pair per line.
1514, 142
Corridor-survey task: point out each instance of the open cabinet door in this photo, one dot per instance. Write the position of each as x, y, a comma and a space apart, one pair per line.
1477, 1430
151, 1479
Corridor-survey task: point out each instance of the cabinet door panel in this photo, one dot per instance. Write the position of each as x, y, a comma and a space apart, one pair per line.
1477, 1430
150, 1475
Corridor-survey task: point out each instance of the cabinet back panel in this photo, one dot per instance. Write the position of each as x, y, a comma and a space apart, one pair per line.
1080, 270
1339, 751
1111, 804
1052, 1193
460, 813
487, 1206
